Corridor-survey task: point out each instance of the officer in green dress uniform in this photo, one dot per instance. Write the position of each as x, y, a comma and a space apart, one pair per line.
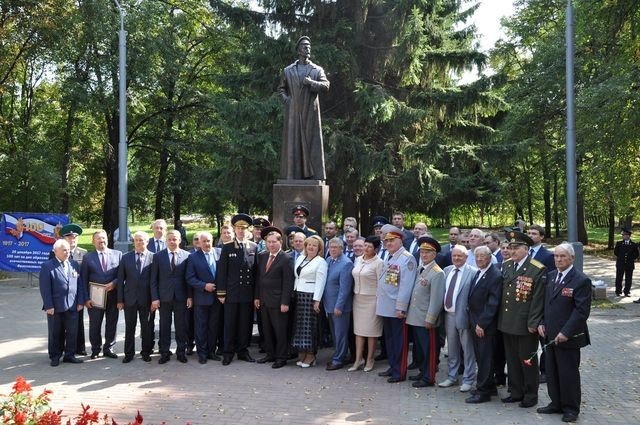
520, 314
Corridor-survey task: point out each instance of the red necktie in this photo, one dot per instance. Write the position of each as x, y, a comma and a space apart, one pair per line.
270, 262
104, 262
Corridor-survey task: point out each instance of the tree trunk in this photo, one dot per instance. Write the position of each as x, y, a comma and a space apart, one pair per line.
612, 223
547, 197
529, 198
162, 182
65, 169
556, 213
582, 230
110, 207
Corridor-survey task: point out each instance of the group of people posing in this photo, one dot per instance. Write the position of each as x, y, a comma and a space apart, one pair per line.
494, 301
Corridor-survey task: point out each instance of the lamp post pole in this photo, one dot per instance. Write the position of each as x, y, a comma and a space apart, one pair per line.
122, 244
572, 209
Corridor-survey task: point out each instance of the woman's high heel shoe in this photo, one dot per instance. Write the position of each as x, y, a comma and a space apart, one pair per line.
356, 366
369, 367
306, 365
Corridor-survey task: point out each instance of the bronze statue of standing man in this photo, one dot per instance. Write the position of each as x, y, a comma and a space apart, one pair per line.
302, 155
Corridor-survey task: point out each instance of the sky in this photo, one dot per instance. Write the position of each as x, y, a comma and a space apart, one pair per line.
487, 20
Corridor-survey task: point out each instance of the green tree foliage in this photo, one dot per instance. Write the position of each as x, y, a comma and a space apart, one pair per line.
398, 129
532, 61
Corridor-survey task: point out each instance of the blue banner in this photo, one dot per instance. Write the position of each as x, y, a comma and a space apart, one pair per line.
26, 239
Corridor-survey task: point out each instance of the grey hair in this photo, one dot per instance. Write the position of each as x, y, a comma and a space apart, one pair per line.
482, 249
336, 241
568, 248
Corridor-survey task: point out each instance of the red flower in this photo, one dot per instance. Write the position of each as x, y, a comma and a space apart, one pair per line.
20, 418
21, 385
138, 418
50, 418
528, 362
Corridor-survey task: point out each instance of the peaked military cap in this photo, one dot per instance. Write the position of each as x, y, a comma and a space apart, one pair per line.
515, 237
71, 229
241, 220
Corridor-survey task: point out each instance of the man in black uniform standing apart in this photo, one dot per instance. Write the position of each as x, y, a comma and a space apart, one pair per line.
566, 310
626, 252
235, 289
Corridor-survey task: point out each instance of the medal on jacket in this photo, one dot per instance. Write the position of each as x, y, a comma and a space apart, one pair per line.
393, 275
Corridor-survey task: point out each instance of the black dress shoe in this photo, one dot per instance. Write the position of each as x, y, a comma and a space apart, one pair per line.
548, 409
189, 351
147, 357
219, 352
385, 374
510, 400
55, 362
163, 358
412, 366
278, 364
569, 417
478, 398
627, 294
71, 359
214, 357
226, 361
417, 377
528, 403
246, 357
393, 380
127, 359
334, 366
618, 294
182, 358
380, 357
265, 359
94, 355
109, 354
292, 356
491, 392
422, 384
202, 361
636, 301
81, 353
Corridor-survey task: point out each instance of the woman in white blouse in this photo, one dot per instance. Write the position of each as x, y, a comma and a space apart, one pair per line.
310, 271
366, 325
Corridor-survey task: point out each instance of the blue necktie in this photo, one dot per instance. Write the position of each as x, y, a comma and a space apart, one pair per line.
212, 264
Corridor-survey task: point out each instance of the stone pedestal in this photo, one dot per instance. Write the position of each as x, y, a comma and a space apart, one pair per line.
313, 194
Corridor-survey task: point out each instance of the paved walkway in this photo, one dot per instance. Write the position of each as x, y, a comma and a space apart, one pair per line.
250, 393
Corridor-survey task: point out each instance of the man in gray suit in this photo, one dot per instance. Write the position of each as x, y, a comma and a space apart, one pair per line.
456, 320
101, 267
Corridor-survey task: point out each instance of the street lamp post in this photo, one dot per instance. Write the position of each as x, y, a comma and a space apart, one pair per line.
122, 244
572, 209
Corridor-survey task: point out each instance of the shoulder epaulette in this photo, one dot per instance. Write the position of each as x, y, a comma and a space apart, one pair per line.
407, 253
536, 263
436, 268
227, 243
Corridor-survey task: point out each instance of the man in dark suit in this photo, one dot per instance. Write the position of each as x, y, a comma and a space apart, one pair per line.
540, 253
492, 240
397, 219
70, 233
134, 296
171, 294
520, 313
101, 267
330, 232
201, 276
484, 301
537, 251
63, 295
566, 310
235, 290
626, 252
157, 242
338, 301
273, 291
